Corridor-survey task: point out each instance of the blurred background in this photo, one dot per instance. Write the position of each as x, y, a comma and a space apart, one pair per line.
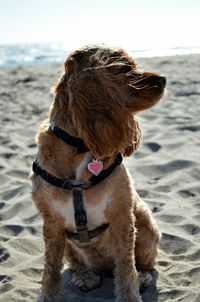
45, 31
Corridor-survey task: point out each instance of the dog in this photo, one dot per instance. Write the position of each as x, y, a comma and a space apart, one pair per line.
92, 215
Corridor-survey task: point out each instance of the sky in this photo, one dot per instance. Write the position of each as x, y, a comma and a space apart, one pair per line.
134, 24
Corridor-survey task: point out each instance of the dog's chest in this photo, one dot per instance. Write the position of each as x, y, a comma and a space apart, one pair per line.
94, 204
95, 212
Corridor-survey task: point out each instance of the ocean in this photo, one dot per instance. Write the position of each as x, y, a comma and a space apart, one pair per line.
30, 54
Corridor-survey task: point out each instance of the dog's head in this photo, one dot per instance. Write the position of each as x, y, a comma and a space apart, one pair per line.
103, 89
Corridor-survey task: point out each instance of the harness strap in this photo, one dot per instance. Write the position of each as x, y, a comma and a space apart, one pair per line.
91, 234
80, 215
55, 181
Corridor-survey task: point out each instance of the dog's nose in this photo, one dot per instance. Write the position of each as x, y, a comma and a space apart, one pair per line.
161, 81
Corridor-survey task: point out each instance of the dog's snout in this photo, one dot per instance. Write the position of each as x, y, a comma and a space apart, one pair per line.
161, 81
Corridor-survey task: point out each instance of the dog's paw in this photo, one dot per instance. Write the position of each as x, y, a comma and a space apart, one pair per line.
145, 279
86, 279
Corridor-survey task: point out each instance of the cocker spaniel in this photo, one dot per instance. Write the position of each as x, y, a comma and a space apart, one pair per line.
92, 215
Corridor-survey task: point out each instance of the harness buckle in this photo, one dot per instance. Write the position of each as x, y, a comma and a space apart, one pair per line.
83, 233
80, 217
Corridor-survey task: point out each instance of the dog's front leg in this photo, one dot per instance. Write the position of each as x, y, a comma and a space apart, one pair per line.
54, 250
126, 276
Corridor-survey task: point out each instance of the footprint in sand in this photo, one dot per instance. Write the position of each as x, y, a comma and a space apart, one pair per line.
191, 128
12, 193
5, 278
156, 206
190, 229
32, 145
12, 230
186, 193
6, 287
174, 244
4, 255
2, 204
32, 219
154, 147
171, 218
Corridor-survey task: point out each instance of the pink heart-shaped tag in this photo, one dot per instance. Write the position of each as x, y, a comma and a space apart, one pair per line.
95, 167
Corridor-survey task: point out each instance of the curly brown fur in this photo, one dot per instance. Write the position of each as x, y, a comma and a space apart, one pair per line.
96, 99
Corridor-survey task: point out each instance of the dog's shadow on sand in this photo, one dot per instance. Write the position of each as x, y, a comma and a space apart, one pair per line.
105, 292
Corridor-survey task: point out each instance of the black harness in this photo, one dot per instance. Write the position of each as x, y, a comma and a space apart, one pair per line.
83, 235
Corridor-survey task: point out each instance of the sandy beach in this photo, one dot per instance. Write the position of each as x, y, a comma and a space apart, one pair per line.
166, 171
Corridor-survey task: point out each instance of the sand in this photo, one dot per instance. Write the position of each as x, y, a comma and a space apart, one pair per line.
166, 171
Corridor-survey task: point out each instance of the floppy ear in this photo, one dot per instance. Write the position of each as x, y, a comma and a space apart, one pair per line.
99, 114
61, 90
70, 66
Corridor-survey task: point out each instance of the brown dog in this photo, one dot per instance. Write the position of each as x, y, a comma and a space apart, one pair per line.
97, 222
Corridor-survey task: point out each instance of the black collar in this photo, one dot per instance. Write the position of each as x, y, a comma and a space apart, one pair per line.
66, 184
76, 142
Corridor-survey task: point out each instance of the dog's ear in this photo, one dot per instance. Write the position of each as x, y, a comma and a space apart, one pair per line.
61, 90
70, 67
99, 114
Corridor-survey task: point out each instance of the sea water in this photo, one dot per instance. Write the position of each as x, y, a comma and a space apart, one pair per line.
30, 54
